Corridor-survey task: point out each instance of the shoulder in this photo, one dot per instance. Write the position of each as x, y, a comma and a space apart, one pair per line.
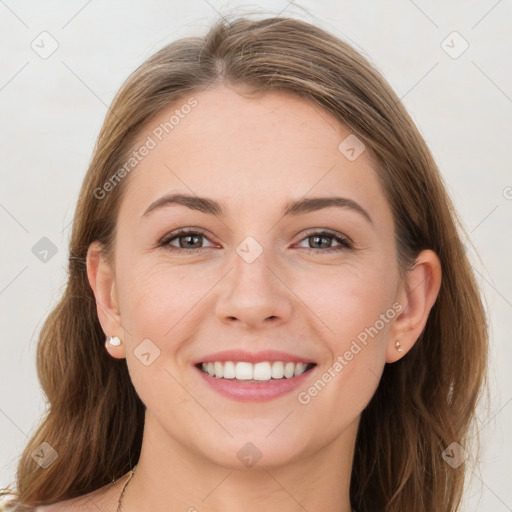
72, 505
103, 499
86, 503
56, 507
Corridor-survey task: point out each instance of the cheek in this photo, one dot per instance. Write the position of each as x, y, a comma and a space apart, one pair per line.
338, 394
355, 306
159, 304
155, 296
347, 300
162, 309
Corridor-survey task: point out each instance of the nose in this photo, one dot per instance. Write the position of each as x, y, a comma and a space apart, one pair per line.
254, 293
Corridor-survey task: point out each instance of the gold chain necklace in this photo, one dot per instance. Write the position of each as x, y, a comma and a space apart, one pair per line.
120, 502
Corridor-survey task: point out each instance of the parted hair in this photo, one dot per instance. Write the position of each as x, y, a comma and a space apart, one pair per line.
424, 402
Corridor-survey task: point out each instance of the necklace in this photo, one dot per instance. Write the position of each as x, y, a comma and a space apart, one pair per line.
120, 502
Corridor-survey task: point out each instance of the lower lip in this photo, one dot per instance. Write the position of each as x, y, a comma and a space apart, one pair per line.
254, 391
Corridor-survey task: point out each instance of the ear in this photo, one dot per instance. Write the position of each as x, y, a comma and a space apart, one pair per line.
417, 295
101, 280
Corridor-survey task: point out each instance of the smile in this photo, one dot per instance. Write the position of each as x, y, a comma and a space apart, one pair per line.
263, 371
260, 381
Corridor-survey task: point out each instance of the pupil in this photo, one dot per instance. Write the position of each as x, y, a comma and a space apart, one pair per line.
190, 237
317, 238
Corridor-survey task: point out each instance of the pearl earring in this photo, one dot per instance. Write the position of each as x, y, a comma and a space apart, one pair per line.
398, 346
114, 341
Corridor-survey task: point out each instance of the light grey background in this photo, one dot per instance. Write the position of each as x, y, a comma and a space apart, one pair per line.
51, 110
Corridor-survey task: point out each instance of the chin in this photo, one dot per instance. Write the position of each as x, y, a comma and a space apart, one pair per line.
256, 450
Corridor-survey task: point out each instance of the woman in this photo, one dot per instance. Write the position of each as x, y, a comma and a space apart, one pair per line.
269, 305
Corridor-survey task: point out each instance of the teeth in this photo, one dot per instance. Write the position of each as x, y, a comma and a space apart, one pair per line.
229, 370
219, 369
299, 369
263, 371
289, 370
277, 371
243, 371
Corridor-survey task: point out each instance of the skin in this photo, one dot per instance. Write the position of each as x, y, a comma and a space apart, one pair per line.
252, 154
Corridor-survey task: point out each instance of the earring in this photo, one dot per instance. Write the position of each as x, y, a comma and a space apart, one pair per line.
398, 346
114, 341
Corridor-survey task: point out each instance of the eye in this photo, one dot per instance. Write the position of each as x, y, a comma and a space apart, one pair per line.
187, 240
190, 240
322, 241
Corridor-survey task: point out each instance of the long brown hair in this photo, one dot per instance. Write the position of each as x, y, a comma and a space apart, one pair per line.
424, 402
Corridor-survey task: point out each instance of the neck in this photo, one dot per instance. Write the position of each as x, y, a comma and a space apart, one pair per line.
171, 476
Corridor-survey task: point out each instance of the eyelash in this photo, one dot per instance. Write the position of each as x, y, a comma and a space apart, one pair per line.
345, 242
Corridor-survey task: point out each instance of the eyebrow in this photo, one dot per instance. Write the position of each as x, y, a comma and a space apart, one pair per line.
297, 207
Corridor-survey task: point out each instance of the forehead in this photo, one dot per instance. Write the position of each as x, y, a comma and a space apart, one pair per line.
266, 149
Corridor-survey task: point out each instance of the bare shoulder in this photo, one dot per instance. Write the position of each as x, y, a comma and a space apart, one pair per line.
103, 499
68, 505
80, 504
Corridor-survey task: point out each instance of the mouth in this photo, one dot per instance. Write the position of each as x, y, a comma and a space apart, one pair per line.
257, 373
249, 376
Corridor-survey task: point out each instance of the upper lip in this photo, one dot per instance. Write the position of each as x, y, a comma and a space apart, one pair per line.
253, 357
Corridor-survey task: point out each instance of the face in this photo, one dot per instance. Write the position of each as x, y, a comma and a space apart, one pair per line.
272, 283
